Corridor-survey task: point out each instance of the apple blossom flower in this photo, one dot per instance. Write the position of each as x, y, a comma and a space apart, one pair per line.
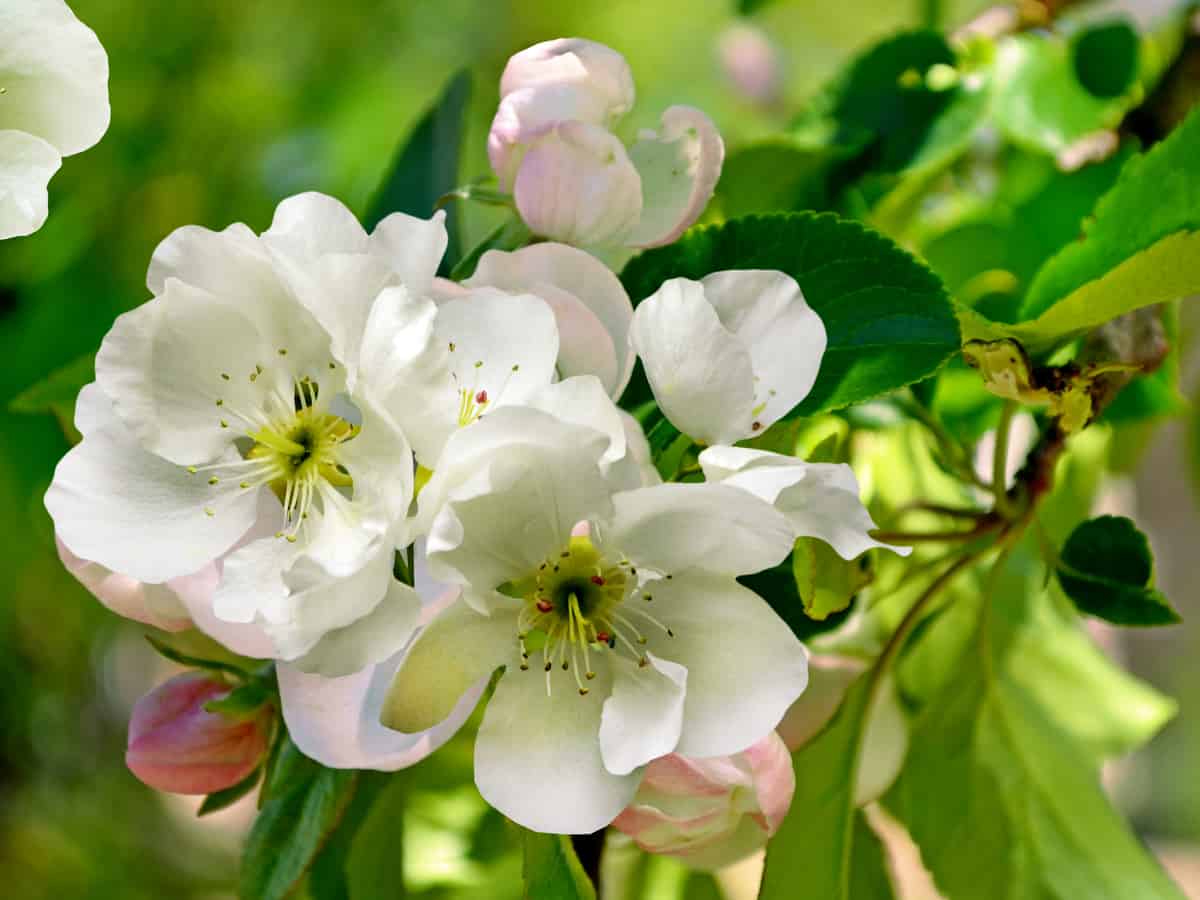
728, 355
591, 308
712, 812
571, 178
885, 739
235, 417
819, 499
53, 103
615, 615
176, 745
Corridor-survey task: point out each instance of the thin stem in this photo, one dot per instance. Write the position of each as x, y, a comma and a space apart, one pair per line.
986, 523
1000, 458
954, 512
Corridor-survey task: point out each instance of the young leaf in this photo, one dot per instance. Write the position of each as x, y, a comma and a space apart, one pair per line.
826, 582
1106, 568
231, 795
242, 702
1002, 778
427, 167
363, 860
552, 870
809, 857
888, 320
56, 393
1142, 248
306, 805
868, 867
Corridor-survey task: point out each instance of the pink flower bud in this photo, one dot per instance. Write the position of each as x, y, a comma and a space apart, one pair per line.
177, 746
885, 741
711, 812
752, 63
577, 185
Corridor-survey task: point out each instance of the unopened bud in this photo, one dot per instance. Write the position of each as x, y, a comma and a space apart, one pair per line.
711, 812
175, 745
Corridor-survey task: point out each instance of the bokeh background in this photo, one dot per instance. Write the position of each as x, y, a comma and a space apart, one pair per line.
220, 109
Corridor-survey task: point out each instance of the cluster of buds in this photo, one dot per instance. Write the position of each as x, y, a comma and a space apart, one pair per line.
573, 180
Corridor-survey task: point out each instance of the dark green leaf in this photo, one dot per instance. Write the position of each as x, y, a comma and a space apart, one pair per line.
887, 317
552, 870
58, 390
231, 795
427, 167
1107, 569
1106, 59
363, 860
512, 235
306, 805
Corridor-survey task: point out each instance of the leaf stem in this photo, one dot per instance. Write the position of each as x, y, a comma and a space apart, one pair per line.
1000, 459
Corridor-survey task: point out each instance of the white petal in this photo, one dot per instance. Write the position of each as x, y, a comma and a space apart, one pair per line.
597, 292
152, 604
232, 263
140, 515
520, 507
643, 717
577, 185
380, 462
675, 528
537, 757
679, 168
582, 400
336, 720
164, 365
27, 163
93, 409
310, 225
412, 247
370, 640
745, 667
457, 651
408, 367
636, 469
701, 374
786, 339
55, 75
504, 344
819, 499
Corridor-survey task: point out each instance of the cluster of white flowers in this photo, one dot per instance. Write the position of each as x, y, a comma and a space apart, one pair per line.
295, 411
53, 103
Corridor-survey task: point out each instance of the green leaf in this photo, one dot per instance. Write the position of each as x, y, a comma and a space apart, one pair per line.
1105, 59
1107, 569
552, 870
222, 799
307, 802
56, 393
167, 649
427, 167
810, 856
363, 860
1142, 248
887, 317
826, 582
777, 585
244, 702
1000, 788
511, 235
1039, 102
780, 174
869, 876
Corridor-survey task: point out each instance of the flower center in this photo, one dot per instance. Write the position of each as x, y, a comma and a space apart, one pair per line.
473, 398
295, 452
575, 604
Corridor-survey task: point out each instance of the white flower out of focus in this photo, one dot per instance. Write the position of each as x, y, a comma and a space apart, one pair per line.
615, 615
53, 103
710, 813
573, 180
729, 355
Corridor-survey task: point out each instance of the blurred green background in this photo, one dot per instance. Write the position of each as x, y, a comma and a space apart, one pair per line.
220, 109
